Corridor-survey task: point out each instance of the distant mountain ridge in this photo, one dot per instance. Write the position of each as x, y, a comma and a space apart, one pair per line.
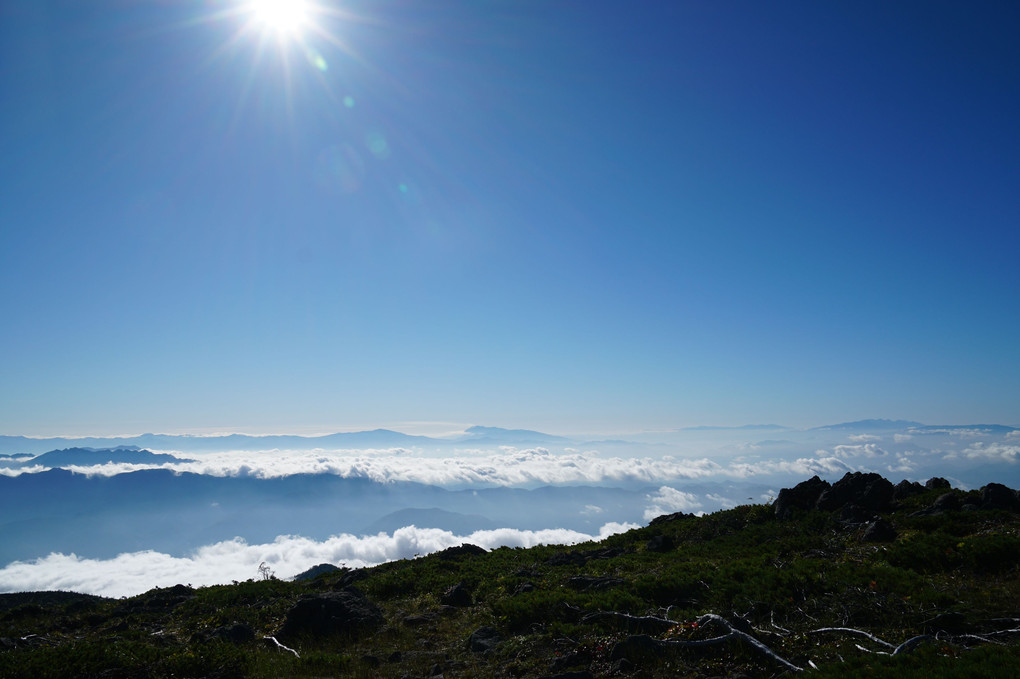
219, 443
87, 457
742, 427
871, 425
375, 438
11, 446
479, 433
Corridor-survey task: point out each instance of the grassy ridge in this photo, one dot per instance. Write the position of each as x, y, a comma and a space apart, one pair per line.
952, 576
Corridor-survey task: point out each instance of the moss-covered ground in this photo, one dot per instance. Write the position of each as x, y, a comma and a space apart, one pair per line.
952, 577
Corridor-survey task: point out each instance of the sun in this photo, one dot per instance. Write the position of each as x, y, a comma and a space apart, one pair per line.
286, 18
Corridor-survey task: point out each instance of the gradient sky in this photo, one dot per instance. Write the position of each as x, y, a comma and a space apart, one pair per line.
569, 216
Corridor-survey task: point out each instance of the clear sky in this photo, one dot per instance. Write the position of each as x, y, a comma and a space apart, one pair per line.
570, 216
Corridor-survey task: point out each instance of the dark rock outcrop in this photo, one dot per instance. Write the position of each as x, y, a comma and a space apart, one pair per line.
803, 496
316, 571
937, 483
459, 551
998, 496
905, 489
331, 613
870, 491
666, 518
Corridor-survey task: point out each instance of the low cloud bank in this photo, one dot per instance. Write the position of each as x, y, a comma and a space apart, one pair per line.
669, 500
223, 562
508, 467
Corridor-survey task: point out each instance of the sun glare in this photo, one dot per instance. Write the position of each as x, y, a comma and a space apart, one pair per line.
284, 17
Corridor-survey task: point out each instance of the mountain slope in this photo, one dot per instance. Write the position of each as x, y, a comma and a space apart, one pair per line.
759, 590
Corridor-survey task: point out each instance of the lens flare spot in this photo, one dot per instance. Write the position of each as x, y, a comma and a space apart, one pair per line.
316, 59
378, 145
349, 101
339, 168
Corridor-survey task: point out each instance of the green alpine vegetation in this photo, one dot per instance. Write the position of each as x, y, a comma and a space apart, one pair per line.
860, 578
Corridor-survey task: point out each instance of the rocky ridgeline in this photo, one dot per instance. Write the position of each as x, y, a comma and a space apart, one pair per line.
859, 498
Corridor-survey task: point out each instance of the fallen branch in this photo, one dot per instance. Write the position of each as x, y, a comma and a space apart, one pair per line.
850, 630
1015, 630
641, 622
281, 647
912, 643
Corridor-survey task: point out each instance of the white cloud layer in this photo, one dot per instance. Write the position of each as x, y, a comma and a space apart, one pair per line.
669, 500
508, 467
998, 452
220, 563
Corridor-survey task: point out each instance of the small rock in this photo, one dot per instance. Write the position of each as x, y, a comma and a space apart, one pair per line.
660, 543
236, 634
421, 620
879, 530
346, 612
458, 596
622, 666
952, 622
635, 646
484, 640
524, 588
592, 583
572, 659
566, 559
947, 502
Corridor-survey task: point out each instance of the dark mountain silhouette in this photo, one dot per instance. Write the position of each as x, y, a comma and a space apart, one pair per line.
870, 425
376, 438
1000, 429
92, 456
478, 433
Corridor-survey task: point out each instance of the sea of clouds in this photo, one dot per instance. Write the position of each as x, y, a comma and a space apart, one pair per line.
132, 573
967, 457
509, 467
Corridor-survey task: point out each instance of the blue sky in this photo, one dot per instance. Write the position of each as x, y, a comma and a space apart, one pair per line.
590, 216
